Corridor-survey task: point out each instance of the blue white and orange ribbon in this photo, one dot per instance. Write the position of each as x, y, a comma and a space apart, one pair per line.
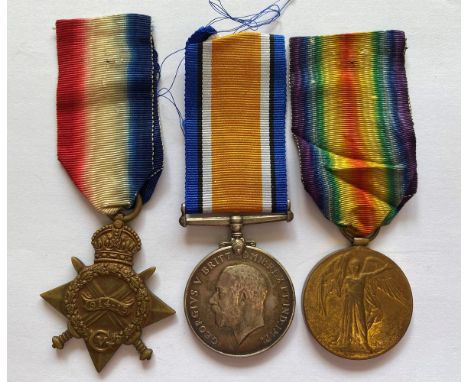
108, 132
352, 122
235, 101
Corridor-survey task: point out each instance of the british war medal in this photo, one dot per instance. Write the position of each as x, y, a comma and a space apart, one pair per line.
239, 300
353, 128
110, 145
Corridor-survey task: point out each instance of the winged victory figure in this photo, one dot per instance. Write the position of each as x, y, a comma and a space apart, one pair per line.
354, 281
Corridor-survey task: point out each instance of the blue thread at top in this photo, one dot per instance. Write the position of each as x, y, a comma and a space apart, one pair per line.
247, 22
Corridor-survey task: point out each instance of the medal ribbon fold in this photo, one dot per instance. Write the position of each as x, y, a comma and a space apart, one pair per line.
235, 103
351, 120
108, 129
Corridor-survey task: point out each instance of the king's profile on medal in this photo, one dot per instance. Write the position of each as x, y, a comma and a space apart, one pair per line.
239, 301
239, 298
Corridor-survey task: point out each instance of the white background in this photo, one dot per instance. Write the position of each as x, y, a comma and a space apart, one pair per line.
49, 221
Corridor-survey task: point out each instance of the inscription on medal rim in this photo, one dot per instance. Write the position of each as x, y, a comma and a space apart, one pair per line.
239, 303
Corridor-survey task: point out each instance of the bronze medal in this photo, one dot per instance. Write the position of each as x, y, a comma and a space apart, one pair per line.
239, 300
109, 142
357, 303
108, 303
352, 124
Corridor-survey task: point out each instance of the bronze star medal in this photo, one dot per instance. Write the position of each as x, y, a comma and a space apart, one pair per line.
108, 303
109, 142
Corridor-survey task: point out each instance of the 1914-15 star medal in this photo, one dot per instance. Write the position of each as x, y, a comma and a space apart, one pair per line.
108, 303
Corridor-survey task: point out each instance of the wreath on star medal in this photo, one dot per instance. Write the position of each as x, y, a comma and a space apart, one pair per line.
122, 272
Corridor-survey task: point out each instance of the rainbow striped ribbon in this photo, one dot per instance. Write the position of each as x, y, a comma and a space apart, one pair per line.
235, 101
108, 132
352, 124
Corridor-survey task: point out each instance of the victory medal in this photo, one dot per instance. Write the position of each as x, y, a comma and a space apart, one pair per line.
353, 129
110, 145
239, 300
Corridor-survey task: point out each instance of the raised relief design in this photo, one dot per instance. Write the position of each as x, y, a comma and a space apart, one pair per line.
239, 302
108, 303
358, 303
239, 298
